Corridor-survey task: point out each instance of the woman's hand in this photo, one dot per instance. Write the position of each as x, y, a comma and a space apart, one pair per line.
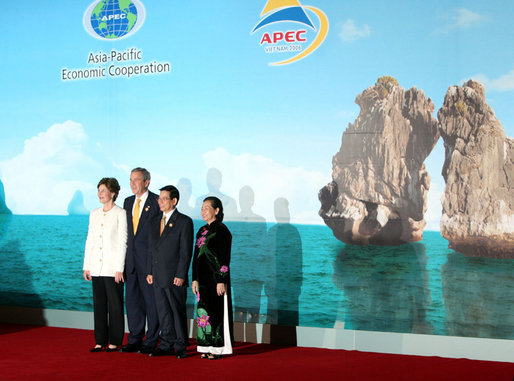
221, 289
87, 275
194, 287
118, 277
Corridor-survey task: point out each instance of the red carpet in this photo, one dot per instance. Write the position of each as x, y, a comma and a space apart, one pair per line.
46, 353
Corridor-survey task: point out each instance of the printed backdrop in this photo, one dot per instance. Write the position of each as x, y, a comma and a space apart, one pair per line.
247, 100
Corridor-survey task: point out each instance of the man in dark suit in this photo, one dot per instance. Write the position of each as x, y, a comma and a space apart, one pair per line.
140, 300
171, 248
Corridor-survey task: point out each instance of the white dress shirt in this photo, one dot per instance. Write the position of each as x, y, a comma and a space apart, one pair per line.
168, 215
143, 198
106, 243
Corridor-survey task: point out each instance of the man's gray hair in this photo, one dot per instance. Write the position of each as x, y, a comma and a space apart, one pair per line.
144, 172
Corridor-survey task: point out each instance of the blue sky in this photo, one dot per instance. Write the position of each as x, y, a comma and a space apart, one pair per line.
273, 128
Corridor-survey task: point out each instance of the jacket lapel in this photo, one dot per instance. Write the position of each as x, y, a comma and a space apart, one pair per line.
169, 225
144, 213
130, 206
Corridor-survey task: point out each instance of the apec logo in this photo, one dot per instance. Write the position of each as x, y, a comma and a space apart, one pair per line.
281, 34
114, 19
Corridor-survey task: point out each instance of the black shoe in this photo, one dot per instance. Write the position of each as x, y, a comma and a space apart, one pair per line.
130, 348
160, 352
181, 354
115, 349
146, 350
96, 349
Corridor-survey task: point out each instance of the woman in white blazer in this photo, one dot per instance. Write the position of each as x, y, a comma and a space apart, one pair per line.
104, 261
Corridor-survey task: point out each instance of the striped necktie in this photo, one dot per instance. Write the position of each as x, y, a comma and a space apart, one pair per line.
135, 217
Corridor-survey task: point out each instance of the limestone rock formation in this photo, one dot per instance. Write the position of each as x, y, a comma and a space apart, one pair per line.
478, 201
76, 205
3, 206
380, 184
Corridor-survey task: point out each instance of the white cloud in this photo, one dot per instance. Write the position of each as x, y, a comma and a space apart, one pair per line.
160, 180
350, 32
462, 18
57, 162
504, 82
52, 166
270, 180
466, 18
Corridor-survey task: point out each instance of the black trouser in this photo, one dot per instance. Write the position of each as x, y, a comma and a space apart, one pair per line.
171, 307
140, 303
108, 311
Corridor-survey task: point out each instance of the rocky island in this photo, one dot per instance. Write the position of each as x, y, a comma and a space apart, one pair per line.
3, 206
478, 201
76, 206
379, 189
380, 184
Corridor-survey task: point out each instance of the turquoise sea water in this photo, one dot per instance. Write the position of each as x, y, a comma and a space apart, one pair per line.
290, 274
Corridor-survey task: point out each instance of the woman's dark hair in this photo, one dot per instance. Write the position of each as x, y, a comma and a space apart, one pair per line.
216, 203
111, 184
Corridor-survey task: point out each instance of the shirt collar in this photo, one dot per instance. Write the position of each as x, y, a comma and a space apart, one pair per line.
143, 198
168, 215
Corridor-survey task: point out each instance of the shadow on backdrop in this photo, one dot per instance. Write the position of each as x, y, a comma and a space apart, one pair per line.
283, 291
250, 261
385, 288
185, 189
214, 180
478, 296
16, 282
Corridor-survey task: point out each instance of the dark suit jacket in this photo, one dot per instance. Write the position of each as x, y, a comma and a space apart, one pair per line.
137, 245
170, 254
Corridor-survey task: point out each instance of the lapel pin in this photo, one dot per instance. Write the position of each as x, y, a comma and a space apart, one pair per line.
170, 225
147, 208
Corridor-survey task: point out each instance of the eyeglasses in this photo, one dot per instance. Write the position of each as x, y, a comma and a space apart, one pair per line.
163, 198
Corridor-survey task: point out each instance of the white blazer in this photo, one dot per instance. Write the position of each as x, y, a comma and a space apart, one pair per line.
106, 243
